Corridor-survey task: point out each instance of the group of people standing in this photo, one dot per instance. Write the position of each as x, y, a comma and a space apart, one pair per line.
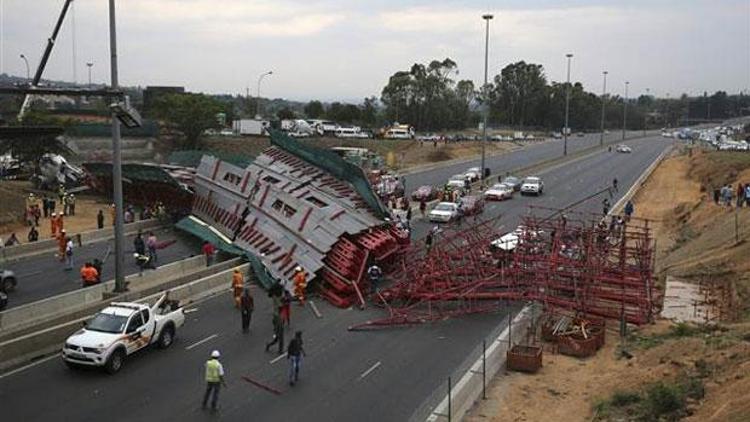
726, 195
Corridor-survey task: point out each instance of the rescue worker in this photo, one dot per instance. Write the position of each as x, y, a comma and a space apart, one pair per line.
60, 222
247, 305
375, 273
300, 283
294, 354
89, 275
238, 282
61, 244
214, 380
100, 220
53, 225
278, 333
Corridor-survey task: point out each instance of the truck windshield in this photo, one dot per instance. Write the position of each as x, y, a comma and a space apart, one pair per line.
107, 323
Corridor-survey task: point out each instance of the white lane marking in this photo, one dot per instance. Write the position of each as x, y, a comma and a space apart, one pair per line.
190, 311
277, 358
367, 372
31, 365
213, 336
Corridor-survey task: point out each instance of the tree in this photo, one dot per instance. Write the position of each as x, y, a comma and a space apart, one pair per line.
369, 114
314, 110
285, 113
519, 92
190, 114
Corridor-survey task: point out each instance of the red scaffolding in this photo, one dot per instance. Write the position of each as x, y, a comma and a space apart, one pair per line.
571, 262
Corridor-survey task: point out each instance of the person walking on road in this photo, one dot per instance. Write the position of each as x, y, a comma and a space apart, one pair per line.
294, 353
139, 245
62, 243
238, 282
214, 375
278, 333
247, 305
151, 245
100, 220
209, 251
69, 254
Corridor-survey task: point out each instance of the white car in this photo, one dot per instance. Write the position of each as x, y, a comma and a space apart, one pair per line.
120, 330
498, 192
624, 149
473, 174
443, 212
457, 181
532, 186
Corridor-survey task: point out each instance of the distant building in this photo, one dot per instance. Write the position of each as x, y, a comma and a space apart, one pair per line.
153, 93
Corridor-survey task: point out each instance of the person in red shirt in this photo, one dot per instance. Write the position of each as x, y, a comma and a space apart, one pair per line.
209, 251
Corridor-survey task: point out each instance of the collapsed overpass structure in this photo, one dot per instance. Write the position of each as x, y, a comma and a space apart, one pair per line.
299, 206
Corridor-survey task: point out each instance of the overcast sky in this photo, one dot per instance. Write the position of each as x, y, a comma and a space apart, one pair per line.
346, 50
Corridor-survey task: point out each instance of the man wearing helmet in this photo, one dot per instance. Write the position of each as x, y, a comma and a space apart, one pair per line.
300, 283
214, 379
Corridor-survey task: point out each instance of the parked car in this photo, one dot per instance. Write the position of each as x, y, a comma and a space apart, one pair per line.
624, 149
514, 182
556, 135
532, 186
457, 181
498, 192
424, 193
444, 212
473, 174
121, 329
471, 205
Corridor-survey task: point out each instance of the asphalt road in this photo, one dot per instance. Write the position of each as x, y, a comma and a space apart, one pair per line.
43, 276
379, 376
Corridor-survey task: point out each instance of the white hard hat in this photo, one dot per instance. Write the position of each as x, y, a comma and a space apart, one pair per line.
54, 213
135, 255
215, 354
298, 268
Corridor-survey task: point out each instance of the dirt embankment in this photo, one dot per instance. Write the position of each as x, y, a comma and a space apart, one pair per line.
685, 372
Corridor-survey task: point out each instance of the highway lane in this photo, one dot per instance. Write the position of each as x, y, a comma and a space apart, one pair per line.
336, 385
500, 164
42, 276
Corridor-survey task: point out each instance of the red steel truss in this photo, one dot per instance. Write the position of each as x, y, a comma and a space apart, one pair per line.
573, 262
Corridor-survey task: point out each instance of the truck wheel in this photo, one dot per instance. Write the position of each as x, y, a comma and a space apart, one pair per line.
115, 361
9, 284
167, 337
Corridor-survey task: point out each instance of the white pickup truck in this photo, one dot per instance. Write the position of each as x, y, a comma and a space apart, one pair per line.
120, 330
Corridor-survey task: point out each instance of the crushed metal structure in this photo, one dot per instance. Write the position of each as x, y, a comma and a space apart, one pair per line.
567, 263
299, 206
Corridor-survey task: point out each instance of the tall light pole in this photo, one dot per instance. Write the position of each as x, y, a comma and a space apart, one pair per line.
257, 101
116, 162
567, 108
89, 65
625, 111
645, 114
604, 103
25, 60
487, 18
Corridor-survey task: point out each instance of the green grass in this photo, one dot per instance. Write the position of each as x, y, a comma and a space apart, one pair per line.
660, 401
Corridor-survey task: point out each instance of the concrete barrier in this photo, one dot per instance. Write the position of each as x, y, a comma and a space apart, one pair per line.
34, 313
468, 388
23, 250
35, 345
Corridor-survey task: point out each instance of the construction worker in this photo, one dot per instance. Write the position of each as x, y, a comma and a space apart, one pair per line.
294, 354
214, 380
278, 333
89, 275
247, 305
53, 225
300, 283
61, 244
60, 222
238, 283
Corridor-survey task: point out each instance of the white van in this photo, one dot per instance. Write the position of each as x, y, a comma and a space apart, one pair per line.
398, 134
350, 132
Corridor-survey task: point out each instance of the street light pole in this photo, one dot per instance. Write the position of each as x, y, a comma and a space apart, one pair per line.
567, 109
604, 102
25, 60
625, 111
645, 115
257, 101
487, 18
89, 65
116, 162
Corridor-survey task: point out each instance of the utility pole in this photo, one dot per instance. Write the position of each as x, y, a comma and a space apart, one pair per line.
89, 65
645, 115
25, 60
116, 163
257, 104
604, 104
487, 18
566, 129
625, 111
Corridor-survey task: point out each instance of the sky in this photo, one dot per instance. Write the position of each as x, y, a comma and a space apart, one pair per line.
346, 50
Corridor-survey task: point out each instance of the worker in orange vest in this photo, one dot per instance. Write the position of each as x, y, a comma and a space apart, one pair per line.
60, 222
53, 225
62, 243
89, 275
238, 283
300, 283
